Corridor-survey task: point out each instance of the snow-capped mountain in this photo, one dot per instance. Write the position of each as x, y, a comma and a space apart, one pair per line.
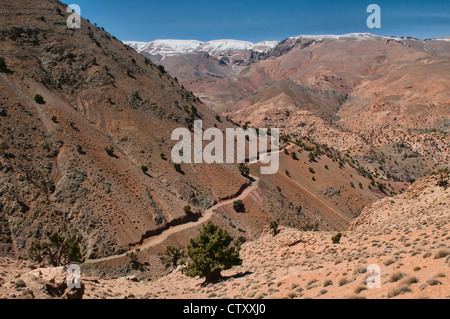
216, 47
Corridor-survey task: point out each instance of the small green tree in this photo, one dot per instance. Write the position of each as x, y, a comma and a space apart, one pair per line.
239, 206
337, 238
173, 256
109, 150
187, 209
294, 156
274, 227
39, 99
162, 69
144, 168
211, 253
58, 250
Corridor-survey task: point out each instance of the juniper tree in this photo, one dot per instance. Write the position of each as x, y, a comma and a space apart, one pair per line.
211, 253
58, 250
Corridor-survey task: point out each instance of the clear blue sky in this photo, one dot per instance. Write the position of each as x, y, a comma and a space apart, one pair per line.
257, 20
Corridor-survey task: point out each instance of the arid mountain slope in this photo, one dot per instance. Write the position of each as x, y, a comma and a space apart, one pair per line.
407, 237
99, 94
371, 94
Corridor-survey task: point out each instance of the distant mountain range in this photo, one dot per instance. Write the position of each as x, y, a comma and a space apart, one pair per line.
170, 47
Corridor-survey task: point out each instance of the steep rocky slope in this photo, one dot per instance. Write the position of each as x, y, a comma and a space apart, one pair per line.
98, 93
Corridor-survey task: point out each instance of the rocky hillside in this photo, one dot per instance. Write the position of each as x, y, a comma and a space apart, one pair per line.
96, 93
406, 236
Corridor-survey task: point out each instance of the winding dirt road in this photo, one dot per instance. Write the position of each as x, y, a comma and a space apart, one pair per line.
156, 240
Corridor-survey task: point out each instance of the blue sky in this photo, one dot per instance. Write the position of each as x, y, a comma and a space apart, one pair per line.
258, 20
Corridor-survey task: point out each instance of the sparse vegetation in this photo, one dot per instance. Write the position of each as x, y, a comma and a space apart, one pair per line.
399, 291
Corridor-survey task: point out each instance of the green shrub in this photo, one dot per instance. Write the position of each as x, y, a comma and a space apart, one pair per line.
162, 69
337, 238
294, 156
39, 99
134, 259
239, 206
109, 150
274, 227
144, 168
79, 149
187, 209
